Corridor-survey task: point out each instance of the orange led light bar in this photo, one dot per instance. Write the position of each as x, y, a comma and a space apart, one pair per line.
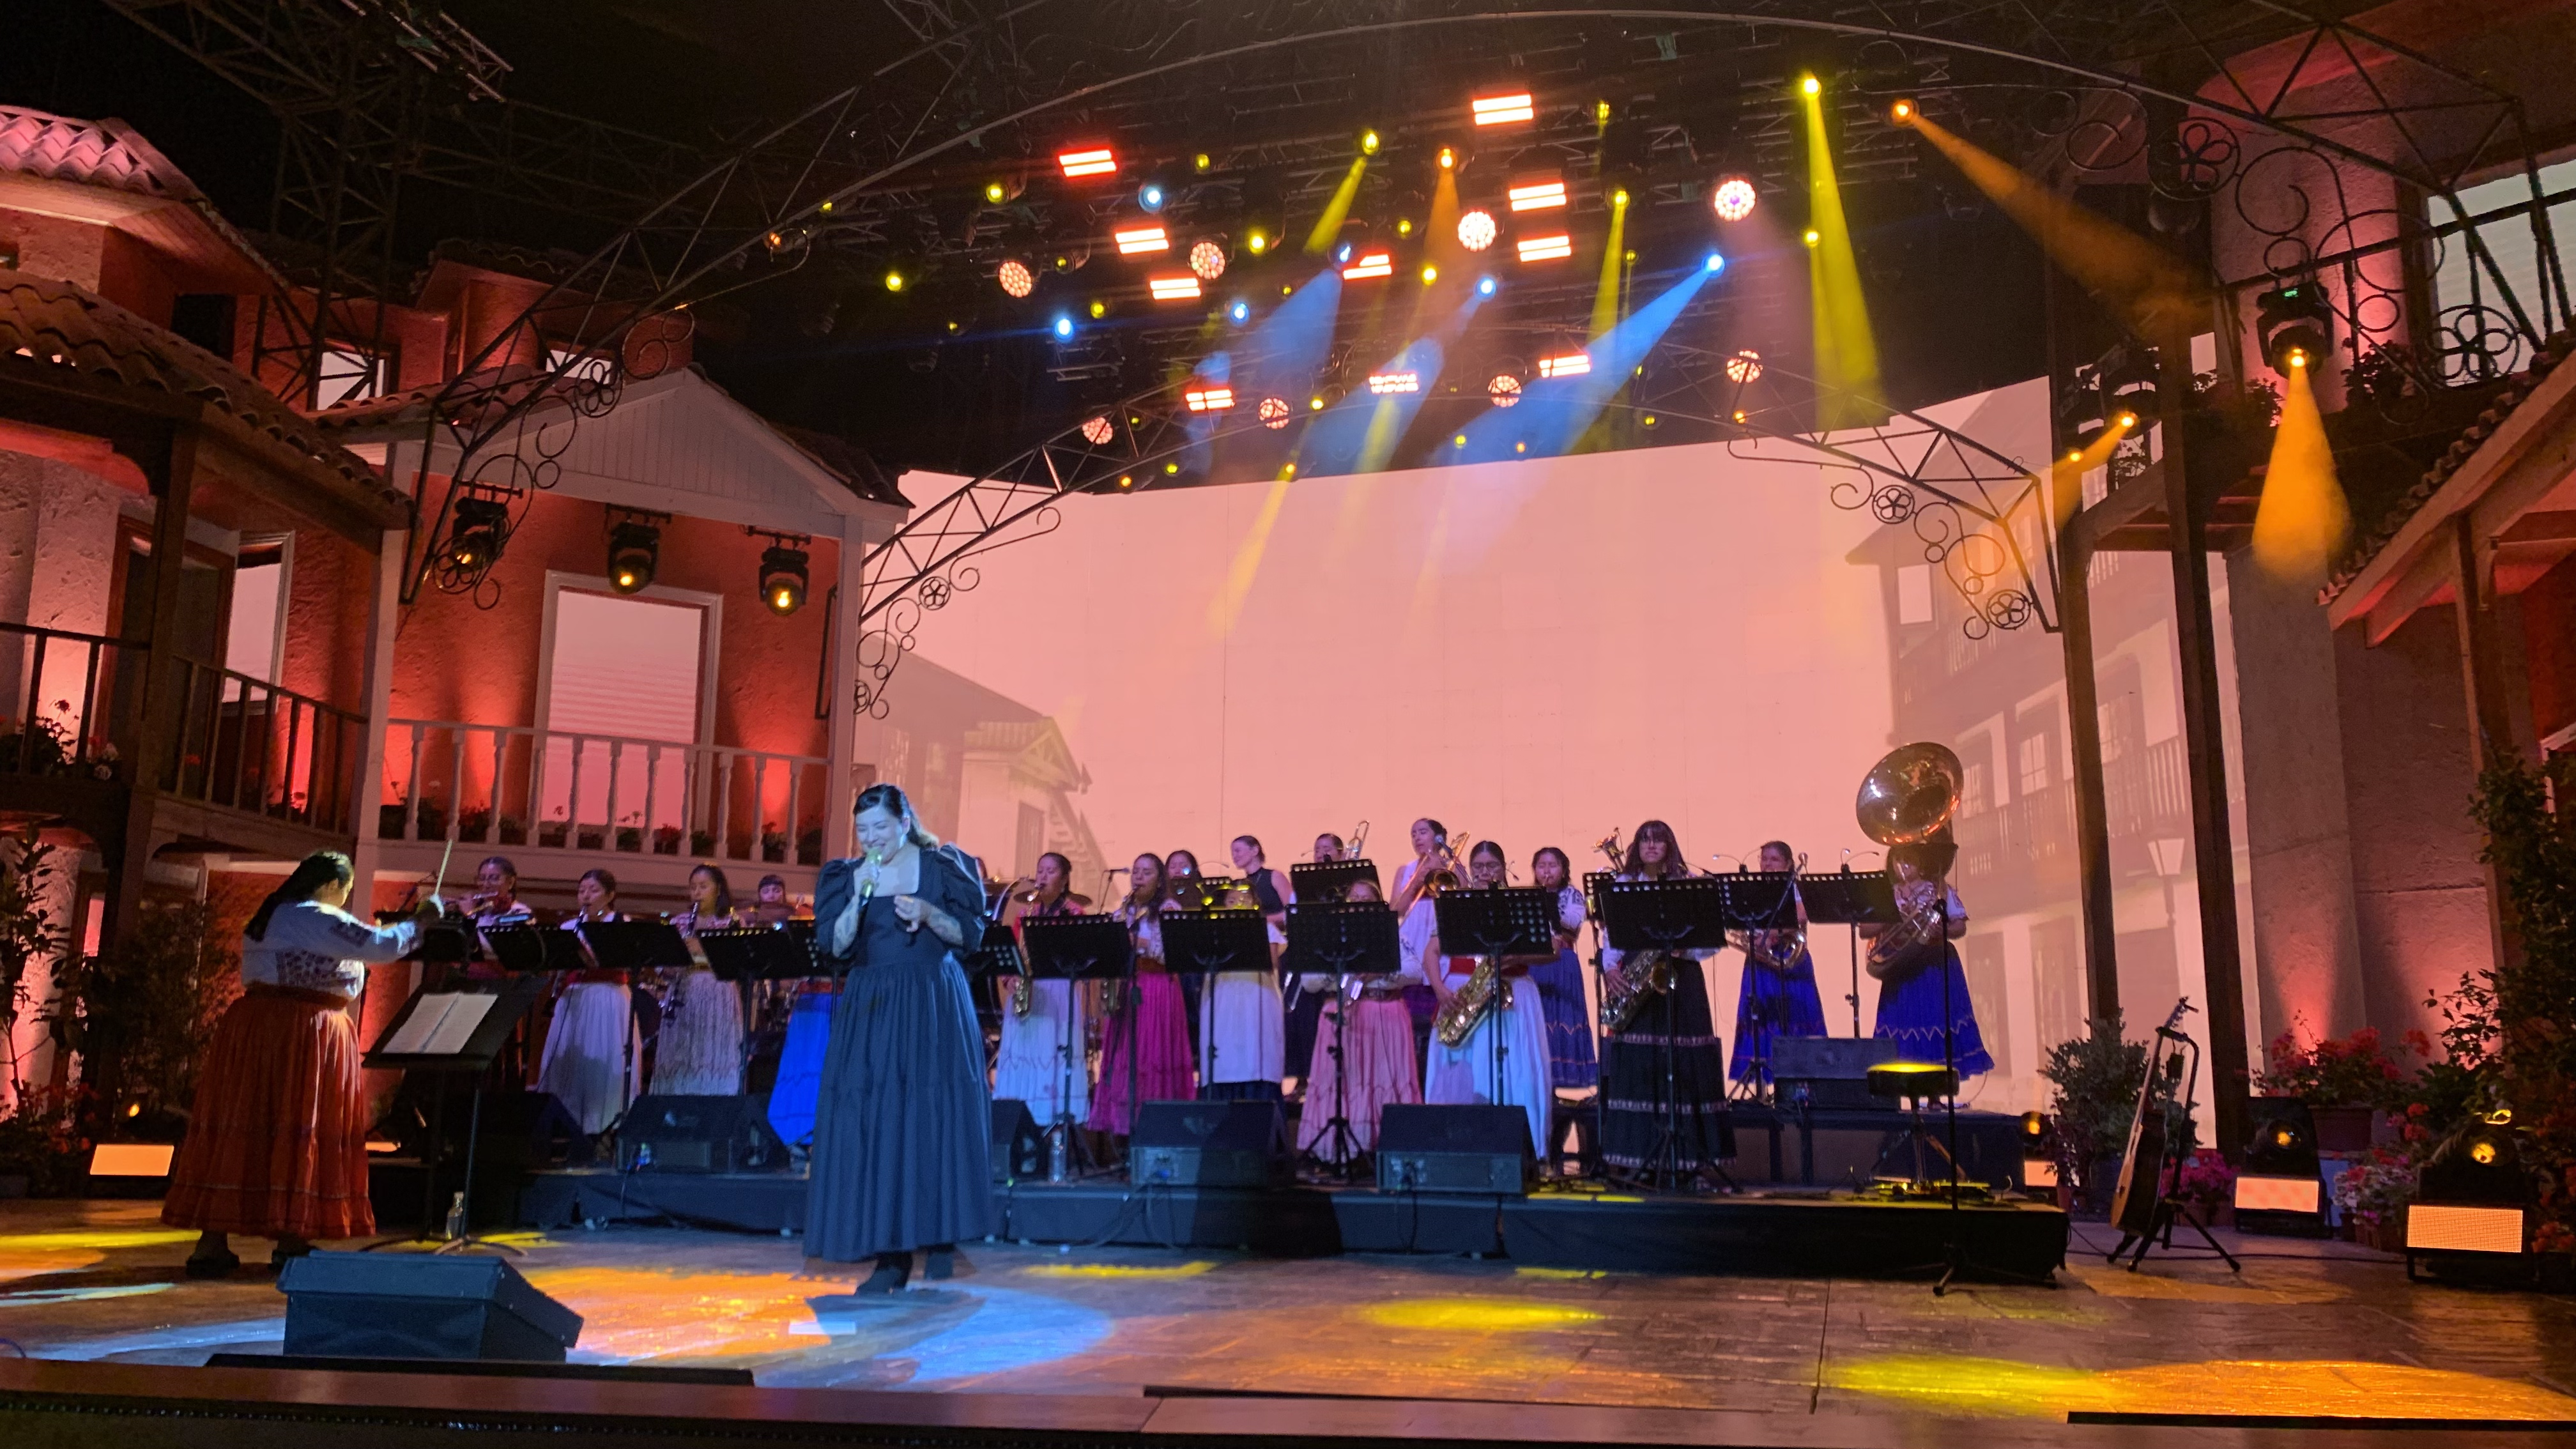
1546, 248
1173, 289
1097, 162
1570, 364
1496, 110
1370, 264
1382, 383
1135, 239
1537, 195
1209, 399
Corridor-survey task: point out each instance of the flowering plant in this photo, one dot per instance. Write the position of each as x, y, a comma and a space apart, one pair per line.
2207, 1180
2351, 1071
2376, 1188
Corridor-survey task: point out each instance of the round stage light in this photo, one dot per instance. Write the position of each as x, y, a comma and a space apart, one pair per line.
1202, 161
1258, 241
1716, 262
1099, 309
1619, 197
1207, 261
1404, 226
1316, 403
1064, 327
1505, 389
1368, 143
1734, 198
1097, 430
1485, 286
783, 578
1016, 278
1240, 311
1273, 412
1430, 274
894, 281
1476, 230
1744, 366
1902, 112
1150, 196
2128, 420
1811, 86
994, 192
1812, 236
1459, 441
1448, 158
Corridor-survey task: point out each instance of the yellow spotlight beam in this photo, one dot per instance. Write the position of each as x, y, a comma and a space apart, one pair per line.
1846, 351
1338, 210
1605, 299
2146, 287
2303, 520
2066, 474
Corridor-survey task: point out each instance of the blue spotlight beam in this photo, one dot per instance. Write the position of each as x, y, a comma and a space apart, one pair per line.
1554, 412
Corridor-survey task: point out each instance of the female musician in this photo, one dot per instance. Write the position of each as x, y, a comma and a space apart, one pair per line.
799, 1085
1148, 1021
1372, 1031
769, 903
700, 1054
1504, 1060
1304, 999
1241, 1028
902, 1134
1560, 980
495, 901
1328, 846
1413, 893
1041, 1061
1637, 1104
278, 1144
594, 1050
1778, 997
1915, 978
1184, 889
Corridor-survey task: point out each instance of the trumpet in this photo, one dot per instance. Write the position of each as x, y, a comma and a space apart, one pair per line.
1609, 847
1357, 845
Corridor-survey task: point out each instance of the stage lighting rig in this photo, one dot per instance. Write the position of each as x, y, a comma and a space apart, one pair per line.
1178, 288
1368, 264
1476, 229
1502, 109
1744, 365
1552, 247
2127, 376
476, 536
1273, 412
1504, 390
2294, 323
2472, 1195
1097, 430
1150, 197
785, 570
634, 548
1015, 278
1141, 240
1207, 258
1537, 193
1087, 162
1565, 364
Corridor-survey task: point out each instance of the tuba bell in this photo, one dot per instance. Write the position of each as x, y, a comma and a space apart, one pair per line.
1908, 798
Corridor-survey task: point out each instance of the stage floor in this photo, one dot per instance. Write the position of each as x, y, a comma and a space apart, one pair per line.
2310, 1328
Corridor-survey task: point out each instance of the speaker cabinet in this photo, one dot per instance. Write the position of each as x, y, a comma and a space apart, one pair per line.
365, 1305
1208, 1144
1018, 1150
1831, 1072
698, 1134
2280, 1191
1454, 1149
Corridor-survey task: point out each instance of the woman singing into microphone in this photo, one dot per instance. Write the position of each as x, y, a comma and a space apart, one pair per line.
903, 1126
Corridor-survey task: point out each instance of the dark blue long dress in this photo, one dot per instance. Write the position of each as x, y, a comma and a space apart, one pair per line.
1910, 999
903, 1125
1773, 1003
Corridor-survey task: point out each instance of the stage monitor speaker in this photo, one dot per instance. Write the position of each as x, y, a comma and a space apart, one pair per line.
1018, 1150
698, 1134
1829, 1071
1208, 1144
1453, 1149
415, 1305
2279, 1192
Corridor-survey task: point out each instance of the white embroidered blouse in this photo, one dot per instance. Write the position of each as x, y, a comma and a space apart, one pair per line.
313, 947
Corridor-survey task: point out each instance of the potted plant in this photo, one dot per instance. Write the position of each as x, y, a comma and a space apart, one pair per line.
630, 835
553, 833
514, 831
2096, 1079
2343, 1080
773, 841
666, 839
474, 824
2209, 1185
2373, 1194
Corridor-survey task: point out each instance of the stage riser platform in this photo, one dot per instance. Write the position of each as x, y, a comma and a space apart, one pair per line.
1792, 1234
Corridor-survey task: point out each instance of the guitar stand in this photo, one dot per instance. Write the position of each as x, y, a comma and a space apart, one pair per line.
2168, 1211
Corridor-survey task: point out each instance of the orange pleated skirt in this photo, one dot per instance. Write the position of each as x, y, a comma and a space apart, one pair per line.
278, 1142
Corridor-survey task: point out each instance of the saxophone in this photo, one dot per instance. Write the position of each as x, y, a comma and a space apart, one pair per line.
1023, 995
1464, 1010
1643, 976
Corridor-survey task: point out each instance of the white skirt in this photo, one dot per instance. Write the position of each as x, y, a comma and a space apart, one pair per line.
1472, 1072
700, 1050
1243, 1037
1042, 1056
594, 1053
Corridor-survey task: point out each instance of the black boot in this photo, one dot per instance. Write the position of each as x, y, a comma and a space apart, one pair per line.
893, 1271
941, 1262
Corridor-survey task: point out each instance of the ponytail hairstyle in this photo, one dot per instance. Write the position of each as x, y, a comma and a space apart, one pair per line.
890, 798
312, 873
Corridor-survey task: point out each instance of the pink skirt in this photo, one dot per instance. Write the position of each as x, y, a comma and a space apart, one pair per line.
1163, 1069
1378, 1046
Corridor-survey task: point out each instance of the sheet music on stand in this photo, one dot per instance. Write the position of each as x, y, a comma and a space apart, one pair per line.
1323, 881
1760, 900
1506, 921
1686, 913
762, 953
525, 947
1064, 948
1204, 943
1849, 898
1343, 939
637, 945
444, 1029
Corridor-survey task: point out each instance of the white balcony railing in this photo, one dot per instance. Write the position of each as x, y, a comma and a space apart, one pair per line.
514, 785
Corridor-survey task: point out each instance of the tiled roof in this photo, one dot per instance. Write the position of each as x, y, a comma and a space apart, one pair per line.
56, 322
2552, 353
93, 153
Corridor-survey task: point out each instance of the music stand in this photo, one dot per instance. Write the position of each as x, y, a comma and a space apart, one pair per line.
1497, 923
1075, 949
1324, 881
1760, 901
522, 949
761, 953
1853, 898
1341, 940
1681, 914
637, 945
448, 1032
1213, 943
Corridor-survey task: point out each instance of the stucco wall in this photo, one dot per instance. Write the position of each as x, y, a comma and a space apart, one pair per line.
2549, 647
